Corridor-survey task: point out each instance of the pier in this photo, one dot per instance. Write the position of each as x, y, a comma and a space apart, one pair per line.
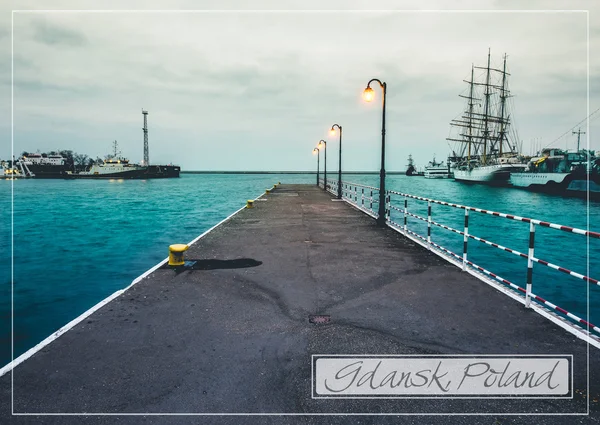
301, 273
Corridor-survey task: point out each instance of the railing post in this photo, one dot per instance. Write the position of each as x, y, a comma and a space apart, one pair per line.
355, 197
466, 239
530, 265
429, 224
405, 215
362, 197
388, 203
371, 201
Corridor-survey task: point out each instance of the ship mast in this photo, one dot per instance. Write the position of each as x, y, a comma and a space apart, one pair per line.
503, 97
470, 120
115, 149
487, 94
470, 115
146, 154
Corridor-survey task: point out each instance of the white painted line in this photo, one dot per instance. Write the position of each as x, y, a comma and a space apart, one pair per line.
86, 314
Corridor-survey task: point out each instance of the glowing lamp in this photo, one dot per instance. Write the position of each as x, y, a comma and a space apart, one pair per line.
368, 94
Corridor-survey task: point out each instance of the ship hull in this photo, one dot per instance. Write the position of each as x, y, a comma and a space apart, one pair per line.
563, 184
151, 172
162, 171
436, 173
129, 174
43, 171
488, 174
538, 179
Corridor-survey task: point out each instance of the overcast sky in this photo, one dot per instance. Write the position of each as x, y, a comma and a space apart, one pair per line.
256, 90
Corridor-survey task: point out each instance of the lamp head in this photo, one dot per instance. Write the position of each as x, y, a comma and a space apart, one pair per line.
315, 151
368, 94
332, 131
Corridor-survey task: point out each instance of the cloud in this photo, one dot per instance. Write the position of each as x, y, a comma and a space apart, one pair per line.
50, 34
266, 86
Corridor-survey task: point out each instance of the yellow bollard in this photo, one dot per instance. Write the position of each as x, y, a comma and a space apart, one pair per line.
249, 203
278, 182
176, 254
268, 191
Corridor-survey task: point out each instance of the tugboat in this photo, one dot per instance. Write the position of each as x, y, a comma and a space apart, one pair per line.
436, 170
484, 154
115, 167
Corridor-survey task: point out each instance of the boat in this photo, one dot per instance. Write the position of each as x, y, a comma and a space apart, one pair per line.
436, 170
15, 169
561, 172
114, 167
484, 152
117, 167
9, 172
52, 166
410, 167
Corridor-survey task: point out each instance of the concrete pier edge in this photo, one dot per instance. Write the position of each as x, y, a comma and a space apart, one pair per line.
55, 335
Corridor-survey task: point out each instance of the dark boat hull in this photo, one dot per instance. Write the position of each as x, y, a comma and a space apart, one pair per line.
49, 171
162, 171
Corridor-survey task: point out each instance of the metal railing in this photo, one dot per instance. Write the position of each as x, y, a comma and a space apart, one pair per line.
366, 197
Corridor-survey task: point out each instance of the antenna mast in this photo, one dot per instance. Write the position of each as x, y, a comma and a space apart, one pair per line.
579, 133
146, 155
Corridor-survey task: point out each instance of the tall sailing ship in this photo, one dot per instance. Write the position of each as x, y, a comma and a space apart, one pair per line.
486, 145
411, 170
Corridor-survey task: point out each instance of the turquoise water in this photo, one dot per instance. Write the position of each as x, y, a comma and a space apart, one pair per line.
76, 242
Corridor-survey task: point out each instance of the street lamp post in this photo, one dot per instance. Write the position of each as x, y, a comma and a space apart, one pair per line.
323, 143
339, 194
318, 159
368, 95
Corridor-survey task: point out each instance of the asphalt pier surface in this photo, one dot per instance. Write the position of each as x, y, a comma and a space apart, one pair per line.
233, 335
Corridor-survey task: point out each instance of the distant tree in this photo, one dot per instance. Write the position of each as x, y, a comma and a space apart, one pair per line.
24, 153
69, 162
80, 161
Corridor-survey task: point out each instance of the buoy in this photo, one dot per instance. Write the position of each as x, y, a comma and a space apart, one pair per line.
176, 254
249, 203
